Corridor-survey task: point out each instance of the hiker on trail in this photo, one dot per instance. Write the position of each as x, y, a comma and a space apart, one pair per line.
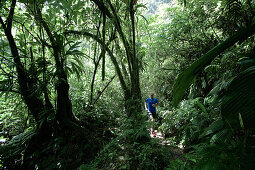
151, 109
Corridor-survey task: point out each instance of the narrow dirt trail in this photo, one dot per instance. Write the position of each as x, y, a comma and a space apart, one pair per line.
177, 152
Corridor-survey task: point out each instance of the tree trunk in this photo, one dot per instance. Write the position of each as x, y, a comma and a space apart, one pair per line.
64, 114
32, 99
26, 84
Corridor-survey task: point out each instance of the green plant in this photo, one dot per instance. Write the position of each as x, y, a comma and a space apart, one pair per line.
186, 123
133, 149
11, 153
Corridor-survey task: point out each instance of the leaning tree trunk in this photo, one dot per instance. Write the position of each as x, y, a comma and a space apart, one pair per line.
64, 114
32, 99
26, 83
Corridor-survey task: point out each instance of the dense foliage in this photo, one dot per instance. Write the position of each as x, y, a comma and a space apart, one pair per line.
74, 75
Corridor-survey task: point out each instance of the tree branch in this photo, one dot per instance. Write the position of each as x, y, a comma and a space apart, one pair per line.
103, 51
169, 69
10, 16
2, 23
99, 95
122, 36
45, 26
102, 7
37, 36
113, 59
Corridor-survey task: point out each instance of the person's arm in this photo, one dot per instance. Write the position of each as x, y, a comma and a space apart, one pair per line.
145, 105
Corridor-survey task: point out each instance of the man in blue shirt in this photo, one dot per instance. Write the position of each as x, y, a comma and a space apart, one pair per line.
151, 103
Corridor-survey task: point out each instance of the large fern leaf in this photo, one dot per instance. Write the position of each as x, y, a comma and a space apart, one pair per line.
185, 79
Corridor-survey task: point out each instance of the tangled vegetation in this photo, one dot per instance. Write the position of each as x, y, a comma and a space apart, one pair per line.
74, 76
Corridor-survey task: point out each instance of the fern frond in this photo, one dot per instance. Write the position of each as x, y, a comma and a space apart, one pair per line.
22, 138
233, 8
16, 145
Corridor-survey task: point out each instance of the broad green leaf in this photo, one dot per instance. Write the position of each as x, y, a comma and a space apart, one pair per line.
240, 98
222, 136
215, 127
184, 79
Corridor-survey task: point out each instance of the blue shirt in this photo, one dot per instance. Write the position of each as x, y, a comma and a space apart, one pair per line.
150, 102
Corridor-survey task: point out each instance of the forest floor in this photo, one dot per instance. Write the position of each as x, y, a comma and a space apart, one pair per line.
177, 152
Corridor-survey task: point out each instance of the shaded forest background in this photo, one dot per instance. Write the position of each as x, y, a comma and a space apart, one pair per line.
74, 75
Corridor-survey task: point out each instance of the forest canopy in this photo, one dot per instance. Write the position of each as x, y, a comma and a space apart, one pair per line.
75, 75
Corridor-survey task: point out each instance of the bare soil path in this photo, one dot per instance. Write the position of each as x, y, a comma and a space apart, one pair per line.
176, 151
